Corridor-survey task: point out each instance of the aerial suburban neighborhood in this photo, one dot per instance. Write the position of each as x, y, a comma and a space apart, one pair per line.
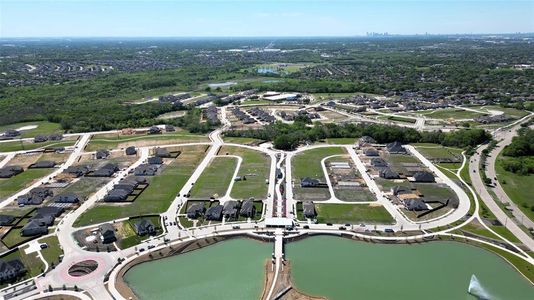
290, 168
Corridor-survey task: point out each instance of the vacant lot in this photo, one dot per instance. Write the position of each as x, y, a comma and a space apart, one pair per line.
241, 140
114, 141
353, 214
518, 188
255, 167
215, 179
30, 145
435, 151
159, 194
52, 253
10, 186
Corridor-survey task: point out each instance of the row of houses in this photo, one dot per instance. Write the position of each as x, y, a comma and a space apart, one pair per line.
43, 138
231, 209
39, 223
261, 115
211, 114
242, 116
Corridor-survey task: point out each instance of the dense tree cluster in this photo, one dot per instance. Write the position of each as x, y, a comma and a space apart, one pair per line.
289, 136
520, 153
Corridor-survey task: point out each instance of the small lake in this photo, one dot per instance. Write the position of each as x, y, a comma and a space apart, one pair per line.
332, 267
232, 269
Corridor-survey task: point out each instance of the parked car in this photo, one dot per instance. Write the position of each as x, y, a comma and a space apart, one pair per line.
389, 230
43, 246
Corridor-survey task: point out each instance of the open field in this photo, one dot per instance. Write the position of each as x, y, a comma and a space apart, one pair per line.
157, 197
215, 179
353, 214
332, 116
435, 151
9, 186
340, 141
43, 128
255, 167
451, 113
397, 119
518, 188
30, 145
308, 164
241, 140
516, 113
113, 141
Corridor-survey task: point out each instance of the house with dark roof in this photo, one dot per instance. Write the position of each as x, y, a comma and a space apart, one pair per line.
196, 210
415, 204
396, 147
67, 198
11, 269
77, 171
378, 162
107, 233
36, 196
55, 137
155, 160
388, 173
50, 210
131, 150
146, 170
230, 209
423, 176
309, 182
116, 195
309, 210
43, 164
102, 154
44, 220
40, 139
10, 171
6, 220
11, 133
144, 227
106, 171
34, 227
214, 213
399, 190
170, 128
248, 209
372, 152
366, 140
161, 152
154, 130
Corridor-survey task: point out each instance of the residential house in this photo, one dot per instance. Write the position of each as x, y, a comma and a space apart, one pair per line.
34, 227
309, 182
309, 210
107, 233
43, 164
102, 154
423, 176
6, 220
146, 170
161, 152
415, 204
230, 209
106, 171
214, 213
388, 173
248, 209
144, 227
196, 210
67, 198
10, 171
131, 150
11, 269
154, 130
77, 171
378, 162
396, 147
155, 160
371, 152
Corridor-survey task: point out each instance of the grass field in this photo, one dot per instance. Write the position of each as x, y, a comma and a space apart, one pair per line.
353, 214
435, 151
398, 119
30, 145
157, 197
308, 163
52, 253
110, 141
254, 162
43, 127
241, 140
215, 179
518, 188
507, 110
9, 186
340, 141
452, 113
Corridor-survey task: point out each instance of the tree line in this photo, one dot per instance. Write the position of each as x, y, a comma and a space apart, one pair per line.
520, 153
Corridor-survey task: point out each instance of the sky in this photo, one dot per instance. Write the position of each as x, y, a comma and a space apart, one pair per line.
251, 18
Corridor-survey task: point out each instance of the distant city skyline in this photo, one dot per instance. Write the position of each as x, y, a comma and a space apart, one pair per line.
260, 18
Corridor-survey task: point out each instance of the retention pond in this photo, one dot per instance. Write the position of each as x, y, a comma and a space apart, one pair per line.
335, 268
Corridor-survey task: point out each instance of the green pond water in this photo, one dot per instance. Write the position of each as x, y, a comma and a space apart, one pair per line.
332, 267
232, 269
339, 268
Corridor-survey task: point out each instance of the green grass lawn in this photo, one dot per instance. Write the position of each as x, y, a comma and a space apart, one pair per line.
215, 179
352, 213
398, 119
43, 127
14, 237
30, 145
308, 163
507, 110
437, 151
354, 195
518, 188
52, 253
254, 162
341, 141
240, 140
10, 186
158, 195
452, 113
435, 192
109, 141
